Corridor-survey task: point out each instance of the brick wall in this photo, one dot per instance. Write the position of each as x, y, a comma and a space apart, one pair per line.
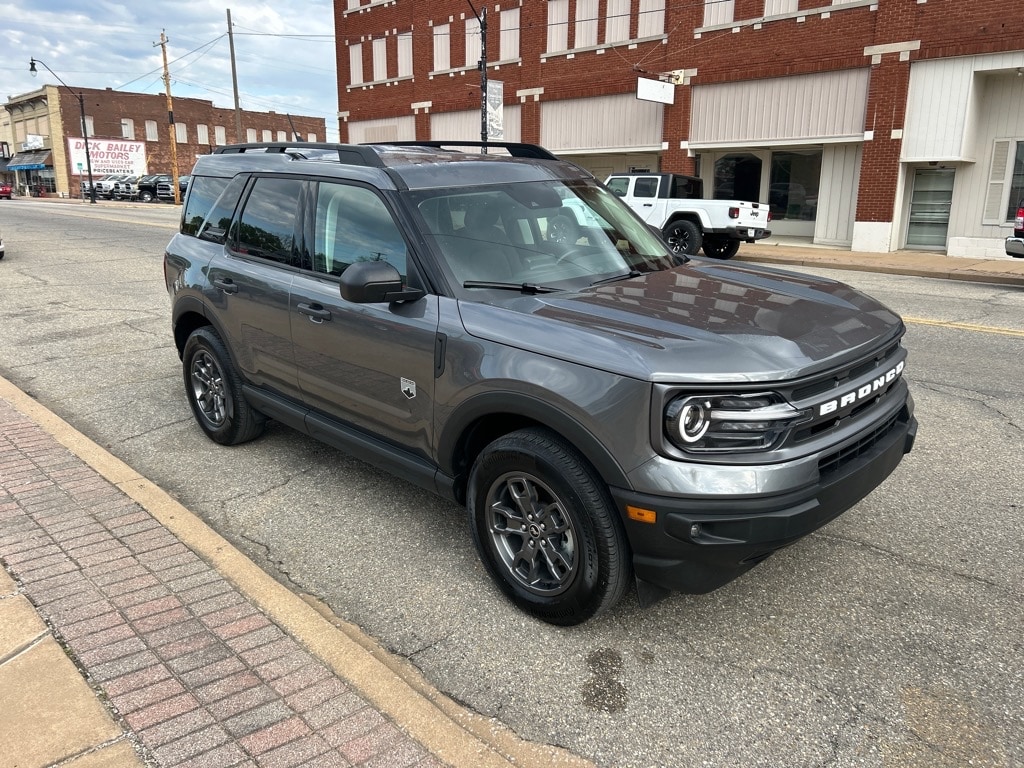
106, 107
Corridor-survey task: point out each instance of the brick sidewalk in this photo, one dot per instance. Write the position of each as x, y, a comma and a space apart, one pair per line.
192, 671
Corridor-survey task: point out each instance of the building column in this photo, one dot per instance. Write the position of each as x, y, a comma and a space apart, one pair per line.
675, 128
421, 110
880, 183
529, 115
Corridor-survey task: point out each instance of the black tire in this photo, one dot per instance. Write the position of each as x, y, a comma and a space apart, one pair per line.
720, 247
214, 390
146, 196
683, 236
546, 528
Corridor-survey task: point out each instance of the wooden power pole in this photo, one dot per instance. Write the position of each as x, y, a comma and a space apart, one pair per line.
234, 81
170, 122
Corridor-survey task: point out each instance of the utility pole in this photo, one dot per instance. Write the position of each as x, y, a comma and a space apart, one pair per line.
234, 81
482, 20
172, 131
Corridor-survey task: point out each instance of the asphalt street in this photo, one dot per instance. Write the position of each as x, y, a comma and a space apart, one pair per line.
892, 637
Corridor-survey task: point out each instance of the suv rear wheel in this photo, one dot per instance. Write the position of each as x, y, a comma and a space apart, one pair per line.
214, 391
546, 528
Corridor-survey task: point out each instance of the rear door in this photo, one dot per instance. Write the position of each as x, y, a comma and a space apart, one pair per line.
368, 365
251, 278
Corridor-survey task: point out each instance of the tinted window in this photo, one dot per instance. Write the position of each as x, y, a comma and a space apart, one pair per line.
645, 187
353, 224
267, 228
203, 194
218, 220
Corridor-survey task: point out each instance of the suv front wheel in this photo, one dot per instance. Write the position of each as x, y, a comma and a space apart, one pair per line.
546, 529
214, 391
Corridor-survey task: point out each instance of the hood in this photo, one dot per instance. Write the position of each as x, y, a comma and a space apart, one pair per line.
701, 322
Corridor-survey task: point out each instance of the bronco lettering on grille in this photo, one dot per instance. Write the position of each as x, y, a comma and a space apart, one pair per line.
867, 390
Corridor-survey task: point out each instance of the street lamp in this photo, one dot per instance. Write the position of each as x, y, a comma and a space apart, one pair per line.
85, 133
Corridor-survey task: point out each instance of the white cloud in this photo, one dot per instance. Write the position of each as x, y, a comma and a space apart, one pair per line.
284, 51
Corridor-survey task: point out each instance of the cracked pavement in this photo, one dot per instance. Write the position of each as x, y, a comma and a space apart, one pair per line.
893, 637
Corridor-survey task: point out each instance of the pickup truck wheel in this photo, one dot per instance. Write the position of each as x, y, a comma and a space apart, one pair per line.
720, 247
214, 391
546, 529
683, 237
146, 196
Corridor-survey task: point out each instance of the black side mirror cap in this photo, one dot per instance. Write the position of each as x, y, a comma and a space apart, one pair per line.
375, 282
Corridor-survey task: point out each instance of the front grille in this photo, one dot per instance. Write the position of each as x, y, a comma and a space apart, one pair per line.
834, 462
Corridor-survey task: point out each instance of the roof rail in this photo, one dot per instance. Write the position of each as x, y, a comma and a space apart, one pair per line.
515, 149
349, 154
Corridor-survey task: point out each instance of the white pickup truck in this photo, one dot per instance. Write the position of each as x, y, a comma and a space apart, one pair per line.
676, 205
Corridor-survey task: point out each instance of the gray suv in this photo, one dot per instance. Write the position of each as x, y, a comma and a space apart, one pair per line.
500, 329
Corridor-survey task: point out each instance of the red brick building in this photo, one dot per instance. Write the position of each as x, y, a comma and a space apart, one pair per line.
128, 132
871, 124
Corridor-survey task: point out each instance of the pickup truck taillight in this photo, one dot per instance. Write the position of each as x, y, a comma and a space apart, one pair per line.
1018, 223
734, 213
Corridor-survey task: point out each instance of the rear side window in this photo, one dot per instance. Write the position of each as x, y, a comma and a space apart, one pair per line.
215, 228
203, 193
268, 226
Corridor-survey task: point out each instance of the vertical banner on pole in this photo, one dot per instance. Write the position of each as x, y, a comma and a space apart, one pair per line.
495, 109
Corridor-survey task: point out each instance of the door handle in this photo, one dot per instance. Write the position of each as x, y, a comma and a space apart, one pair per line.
314, 312
226, 284
647, 205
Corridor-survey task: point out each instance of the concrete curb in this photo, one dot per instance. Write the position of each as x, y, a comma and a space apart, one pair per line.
453, 734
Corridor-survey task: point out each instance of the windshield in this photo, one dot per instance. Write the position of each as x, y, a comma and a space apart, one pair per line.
559, 235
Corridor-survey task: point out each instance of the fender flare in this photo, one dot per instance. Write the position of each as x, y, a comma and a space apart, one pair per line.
535, 409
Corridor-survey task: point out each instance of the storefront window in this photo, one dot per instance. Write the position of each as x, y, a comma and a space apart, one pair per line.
738, 177
793, 190
1016, 184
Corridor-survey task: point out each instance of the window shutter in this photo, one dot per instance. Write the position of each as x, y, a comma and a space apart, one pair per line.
994, 206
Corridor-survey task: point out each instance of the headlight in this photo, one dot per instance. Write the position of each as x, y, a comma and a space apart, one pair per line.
723, 423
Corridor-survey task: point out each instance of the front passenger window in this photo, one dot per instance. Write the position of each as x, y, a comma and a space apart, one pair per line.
353, 224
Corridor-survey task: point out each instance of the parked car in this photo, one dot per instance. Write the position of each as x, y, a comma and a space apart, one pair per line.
146, 188
165, 191
1, 245
675, 204
1018, 222
609, 412
105, 184
124, 189
5, 190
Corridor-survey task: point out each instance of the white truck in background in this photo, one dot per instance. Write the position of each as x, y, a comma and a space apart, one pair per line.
675, 204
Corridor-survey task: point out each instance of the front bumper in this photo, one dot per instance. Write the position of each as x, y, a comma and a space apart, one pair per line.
697, 544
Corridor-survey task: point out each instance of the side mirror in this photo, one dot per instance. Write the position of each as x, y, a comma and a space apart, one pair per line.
375, 282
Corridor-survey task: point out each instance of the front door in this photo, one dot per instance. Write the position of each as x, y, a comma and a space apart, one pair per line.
368, 365
930, 203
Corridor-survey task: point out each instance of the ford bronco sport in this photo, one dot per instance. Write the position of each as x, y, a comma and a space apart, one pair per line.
504, 331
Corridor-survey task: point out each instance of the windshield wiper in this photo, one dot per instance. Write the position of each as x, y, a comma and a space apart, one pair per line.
613, 278
530, 288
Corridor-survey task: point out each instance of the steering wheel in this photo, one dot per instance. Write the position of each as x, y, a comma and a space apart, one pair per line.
563, 230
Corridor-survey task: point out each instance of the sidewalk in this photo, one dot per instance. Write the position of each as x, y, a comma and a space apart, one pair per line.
131, 634
1001, 270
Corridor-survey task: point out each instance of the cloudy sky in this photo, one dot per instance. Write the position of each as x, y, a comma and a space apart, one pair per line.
284, 50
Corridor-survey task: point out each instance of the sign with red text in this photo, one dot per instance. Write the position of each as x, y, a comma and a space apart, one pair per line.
108, 156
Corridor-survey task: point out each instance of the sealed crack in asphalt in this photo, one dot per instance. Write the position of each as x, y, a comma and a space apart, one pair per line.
904, 560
